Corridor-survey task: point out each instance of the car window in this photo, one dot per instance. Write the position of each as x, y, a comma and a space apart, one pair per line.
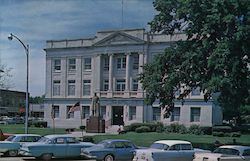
10, 138
29, 138
175, 147
59, 141
118, 145
186, 147
71, 140
227, 151
246, 152
159, 146
128, 145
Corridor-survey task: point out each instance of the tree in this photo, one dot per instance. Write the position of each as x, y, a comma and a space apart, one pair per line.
5, 76
214, 57
37, 99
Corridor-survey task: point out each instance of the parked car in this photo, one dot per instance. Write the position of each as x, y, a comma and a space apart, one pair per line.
110, 150
226, 153
57, 146
166, 150
12, 144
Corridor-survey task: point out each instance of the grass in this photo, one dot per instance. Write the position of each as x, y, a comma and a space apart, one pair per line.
146, 139
19, 129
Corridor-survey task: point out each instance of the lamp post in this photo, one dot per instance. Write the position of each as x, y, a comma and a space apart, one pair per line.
26, 47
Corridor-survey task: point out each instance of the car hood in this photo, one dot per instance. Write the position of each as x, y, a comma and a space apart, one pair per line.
95, 148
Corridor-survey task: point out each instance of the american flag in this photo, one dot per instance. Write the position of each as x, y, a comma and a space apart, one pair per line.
74, 108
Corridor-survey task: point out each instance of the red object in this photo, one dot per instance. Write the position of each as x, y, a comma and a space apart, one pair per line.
21, 110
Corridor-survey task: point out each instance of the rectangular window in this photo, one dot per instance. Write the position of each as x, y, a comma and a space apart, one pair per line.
57, 65
195, 114
72, 64
56, 88
132, 112
69, 115
121, 62
71, 87
106, 63
86, 87
135, 61
175, 116
87, 63
120, 85
103, 112
196, 92
85, 112
156, 113
106, 85
56, 111
135, 85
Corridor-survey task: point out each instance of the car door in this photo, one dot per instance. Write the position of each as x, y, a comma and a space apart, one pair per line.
129, 150
59, 148
246, 155
174, 153
187, 152
120, 150
73, 147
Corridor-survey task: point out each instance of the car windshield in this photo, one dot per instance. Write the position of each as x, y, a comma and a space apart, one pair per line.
159, 146
103, 143
228, 151
10, 138
43, 139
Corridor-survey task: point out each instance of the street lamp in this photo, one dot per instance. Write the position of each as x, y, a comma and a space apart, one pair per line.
26, 47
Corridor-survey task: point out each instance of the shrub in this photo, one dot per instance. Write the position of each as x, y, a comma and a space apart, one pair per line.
219, 134
142, 129
40, 124
176, 128
224, 129
235, 134
195, 129
206, 130
88, 139
152, 126
82, 127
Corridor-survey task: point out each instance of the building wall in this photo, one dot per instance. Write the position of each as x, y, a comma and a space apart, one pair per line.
111, 45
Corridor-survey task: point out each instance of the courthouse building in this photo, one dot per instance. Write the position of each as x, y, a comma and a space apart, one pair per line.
108, 64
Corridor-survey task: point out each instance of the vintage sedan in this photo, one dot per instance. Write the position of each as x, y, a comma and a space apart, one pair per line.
166, 150
57, 146
110, 150
226, 153
12, 144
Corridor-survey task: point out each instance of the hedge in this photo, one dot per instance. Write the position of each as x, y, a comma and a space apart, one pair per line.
142, 129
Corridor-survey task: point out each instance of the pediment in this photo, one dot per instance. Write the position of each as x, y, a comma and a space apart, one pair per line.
118, 38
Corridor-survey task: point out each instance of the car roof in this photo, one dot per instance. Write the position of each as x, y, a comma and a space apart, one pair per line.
26, 135
58, 135
237, 147
172, 142
114, 140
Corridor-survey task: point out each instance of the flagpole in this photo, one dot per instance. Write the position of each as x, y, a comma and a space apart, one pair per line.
53, 117
81, 120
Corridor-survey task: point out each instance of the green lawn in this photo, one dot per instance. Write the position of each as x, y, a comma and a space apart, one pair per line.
19, 129
202, 141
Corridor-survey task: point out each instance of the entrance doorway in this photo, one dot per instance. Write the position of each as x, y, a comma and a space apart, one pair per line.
117, 115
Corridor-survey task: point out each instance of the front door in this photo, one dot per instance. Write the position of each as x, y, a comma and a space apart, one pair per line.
117, 115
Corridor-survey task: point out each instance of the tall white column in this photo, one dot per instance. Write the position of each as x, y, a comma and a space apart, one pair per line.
111, 73
127, 88
140, 70
97, 74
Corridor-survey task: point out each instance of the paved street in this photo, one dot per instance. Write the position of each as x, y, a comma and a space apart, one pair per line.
33, 159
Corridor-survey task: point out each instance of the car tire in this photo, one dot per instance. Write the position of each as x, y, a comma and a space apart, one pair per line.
109, 157
12, 153
46, 156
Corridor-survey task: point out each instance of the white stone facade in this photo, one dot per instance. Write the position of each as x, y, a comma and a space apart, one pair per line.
108, 65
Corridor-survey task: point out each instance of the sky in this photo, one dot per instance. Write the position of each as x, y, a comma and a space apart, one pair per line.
35, 21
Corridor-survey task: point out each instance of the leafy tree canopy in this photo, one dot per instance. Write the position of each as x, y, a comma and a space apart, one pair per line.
214, 57
5, 75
